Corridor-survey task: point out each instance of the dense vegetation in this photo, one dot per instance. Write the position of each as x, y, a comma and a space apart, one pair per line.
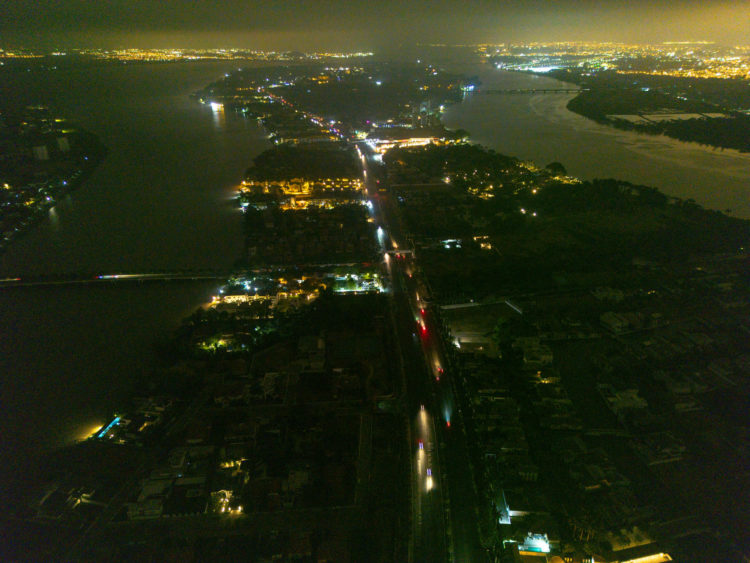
537, 224
382, 93
599, 103
305, 161
611, 94
721, 93
732, 132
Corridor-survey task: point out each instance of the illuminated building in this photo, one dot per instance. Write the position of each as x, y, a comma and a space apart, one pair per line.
300, 187
383, 140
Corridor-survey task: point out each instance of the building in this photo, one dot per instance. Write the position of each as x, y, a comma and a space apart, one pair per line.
384, 139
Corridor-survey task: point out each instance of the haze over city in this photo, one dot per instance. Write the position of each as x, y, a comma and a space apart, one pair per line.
358, 24
375, 282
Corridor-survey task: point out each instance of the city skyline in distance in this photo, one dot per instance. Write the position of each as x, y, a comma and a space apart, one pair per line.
355, 25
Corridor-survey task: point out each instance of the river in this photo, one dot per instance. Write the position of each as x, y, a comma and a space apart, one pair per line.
538, 127
161, 200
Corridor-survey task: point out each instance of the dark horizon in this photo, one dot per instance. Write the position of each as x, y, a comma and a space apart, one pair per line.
357, 25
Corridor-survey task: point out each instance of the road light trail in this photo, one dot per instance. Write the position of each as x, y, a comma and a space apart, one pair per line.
454, 517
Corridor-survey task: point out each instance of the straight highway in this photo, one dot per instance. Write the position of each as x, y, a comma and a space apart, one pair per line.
444, 500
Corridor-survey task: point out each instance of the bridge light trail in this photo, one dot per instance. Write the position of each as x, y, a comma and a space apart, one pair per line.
133, 276
125, 276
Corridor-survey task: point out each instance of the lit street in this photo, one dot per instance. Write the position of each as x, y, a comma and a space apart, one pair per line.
444, 514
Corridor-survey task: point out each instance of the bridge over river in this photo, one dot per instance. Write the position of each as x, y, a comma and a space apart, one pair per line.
535, 91
80, 278
85, 279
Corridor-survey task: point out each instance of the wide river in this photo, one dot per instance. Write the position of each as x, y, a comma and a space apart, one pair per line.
162, 201
538, 127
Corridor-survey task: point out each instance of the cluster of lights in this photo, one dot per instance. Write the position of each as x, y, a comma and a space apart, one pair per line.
184, 54
697, 59
722, 70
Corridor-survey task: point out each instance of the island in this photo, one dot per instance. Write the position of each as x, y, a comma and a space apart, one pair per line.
698, 110
43, 158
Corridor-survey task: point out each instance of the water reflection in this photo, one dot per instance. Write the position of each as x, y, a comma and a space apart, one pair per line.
74, 351
539, 127
54, 219
219, 117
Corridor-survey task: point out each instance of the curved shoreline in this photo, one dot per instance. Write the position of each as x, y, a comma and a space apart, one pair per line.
541, 128
656, 141
98, 152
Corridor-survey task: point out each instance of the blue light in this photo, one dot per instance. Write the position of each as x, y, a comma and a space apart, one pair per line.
109, 426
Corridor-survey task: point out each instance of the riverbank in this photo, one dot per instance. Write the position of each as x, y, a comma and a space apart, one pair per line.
539, 127
656, 105
63, 158
187, 408
162, 200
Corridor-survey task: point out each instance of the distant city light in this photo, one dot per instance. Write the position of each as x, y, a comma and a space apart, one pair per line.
542, 68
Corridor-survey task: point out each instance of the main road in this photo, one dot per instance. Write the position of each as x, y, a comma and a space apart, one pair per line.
444, 499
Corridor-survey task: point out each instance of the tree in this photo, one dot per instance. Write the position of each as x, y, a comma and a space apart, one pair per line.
556, 169
506, 330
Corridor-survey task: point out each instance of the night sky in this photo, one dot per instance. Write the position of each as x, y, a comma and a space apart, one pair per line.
357, 24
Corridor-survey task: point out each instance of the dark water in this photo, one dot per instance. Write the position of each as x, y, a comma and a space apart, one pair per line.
540, 128
160, 201
161, 198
